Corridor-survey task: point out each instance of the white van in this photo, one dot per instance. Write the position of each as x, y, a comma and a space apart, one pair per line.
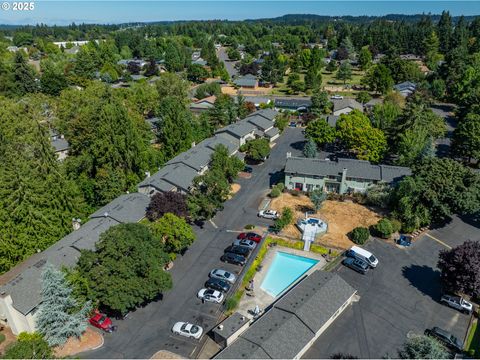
359, 253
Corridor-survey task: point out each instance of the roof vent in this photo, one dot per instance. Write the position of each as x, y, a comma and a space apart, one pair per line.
105, 214
220, 327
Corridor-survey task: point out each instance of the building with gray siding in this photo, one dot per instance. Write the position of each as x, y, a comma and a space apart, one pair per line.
341, 176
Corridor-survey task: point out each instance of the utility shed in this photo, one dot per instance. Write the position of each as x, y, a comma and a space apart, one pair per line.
230, 328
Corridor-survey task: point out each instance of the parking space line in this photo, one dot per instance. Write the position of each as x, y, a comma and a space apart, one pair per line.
438, 240
213, 224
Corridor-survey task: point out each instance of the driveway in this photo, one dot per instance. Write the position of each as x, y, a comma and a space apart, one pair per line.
445, 111
148, 329
229, 65
397, 299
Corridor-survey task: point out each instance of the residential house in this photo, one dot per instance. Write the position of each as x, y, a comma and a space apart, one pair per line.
73, 50
248, 81
141, 63
256, 100
200, 61
265, 126
371, 104
293, 104
60, 145
203, 105
341, 176
239, 132
21, 288
331, 120
406, 88
293, 323
346, 106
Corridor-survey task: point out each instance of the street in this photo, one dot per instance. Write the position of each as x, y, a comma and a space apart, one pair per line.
148, 329
229, 65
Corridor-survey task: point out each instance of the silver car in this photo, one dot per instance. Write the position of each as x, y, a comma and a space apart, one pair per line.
458, 303
210, 295
269, 214
246, 243
223, 275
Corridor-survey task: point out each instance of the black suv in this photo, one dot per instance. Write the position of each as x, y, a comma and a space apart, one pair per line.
217, 284
356, 264
239, 250
233, 258
446, 338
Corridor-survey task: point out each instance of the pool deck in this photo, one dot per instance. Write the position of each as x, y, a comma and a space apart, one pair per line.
261, 297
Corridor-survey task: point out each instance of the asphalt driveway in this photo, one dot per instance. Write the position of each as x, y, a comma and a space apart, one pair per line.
148, 329
397, 299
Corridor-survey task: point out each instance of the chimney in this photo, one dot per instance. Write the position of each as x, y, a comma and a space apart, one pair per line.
289, 154
220, 327
147, 174
76, 223
105, 214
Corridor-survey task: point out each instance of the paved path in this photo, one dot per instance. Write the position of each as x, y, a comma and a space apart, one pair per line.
147, 330
229, 65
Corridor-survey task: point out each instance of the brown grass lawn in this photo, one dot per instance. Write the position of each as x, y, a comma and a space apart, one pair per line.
342, 217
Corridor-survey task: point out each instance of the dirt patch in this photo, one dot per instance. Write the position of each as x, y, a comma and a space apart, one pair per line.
165, 354
9, 338
342, 217
91, 339
234, 188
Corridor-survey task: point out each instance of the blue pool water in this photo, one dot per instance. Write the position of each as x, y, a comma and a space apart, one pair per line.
285, 270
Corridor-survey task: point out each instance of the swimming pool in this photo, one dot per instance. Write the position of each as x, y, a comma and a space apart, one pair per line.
285, 270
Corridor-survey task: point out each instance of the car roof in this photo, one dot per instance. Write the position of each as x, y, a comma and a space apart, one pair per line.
361, 251
442, 332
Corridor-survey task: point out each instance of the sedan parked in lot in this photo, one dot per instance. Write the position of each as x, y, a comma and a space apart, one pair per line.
458, 303
356, 264
223, 275
217, 284
188, 330
249, 244
233, 259
445, 337
239, 250
250, 236
268, 214
210, 295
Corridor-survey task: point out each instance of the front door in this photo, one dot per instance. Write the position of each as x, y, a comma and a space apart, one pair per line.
298, 186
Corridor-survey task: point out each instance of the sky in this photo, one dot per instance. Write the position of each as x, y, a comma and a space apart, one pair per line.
120, 11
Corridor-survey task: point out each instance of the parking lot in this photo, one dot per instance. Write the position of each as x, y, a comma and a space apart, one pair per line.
397, 299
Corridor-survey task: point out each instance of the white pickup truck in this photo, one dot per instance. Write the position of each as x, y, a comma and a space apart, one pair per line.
458, 303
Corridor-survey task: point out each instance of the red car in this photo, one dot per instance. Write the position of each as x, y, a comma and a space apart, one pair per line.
101, 321
250, 236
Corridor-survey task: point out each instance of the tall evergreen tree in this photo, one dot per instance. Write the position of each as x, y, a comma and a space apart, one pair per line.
24, 75
57, 320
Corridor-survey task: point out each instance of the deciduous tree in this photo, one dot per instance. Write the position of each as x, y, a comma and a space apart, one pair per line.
167, 202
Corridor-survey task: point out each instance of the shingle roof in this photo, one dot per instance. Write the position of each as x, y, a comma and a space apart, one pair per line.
172, 175
332, 120
212, 142
197, 157
247, 80
293, 103
125, 208
355, 169
272, 132
269, 114
60, 144
346, 103
260, 122
238, 129
283, 331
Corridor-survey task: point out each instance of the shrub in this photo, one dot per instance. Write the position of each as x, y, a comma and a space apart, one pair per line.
284, 220
359, 235
275, 192
280, 186
384, 228
231, 303
396, 225
249, 227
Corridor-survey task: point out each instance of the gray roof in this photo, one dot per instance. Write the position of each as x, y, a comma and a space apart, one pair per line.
125, 208
231, 325
170, 176
284, 330
269, 114
355, 169
405, 86
272, 132
332, 120
247, 80
346, 103
293, 103
23, 282
228, 137
260, 122
214, 141
199, 61
238, 129
197, 157
60, 144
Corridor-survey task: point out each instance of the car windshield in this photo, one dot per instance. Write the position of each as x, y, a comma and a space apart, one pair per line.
372, 258
184, 327
102, 319
227, 274
193, 329
208, 292
453, 339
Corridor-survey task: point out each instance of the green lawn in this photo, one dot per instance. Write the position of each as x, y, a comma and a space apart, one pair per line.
473, 341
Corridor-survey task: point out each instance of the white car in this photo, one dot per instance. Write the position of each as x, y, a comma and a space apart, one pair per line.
269, 214
223, 275
457, 302
246, 243
188, 330
210, 295
337, 97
